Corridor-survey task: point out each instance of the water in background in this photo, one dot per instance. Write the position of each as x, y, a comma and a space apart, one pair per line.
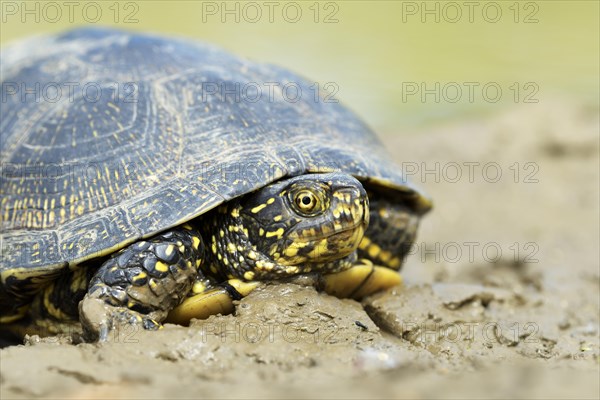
400, 64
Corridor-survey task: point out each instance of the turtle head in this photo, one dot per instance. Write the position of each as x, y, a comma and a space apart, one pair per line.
313, 218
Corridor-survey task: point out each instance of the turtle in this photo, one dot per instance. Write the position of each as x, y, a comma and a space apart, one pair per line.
150, 179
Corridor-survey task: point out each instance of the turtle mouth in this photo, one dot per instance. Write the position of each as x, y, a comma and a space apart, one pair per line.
341, 233
326, 243
343, 242
324, 248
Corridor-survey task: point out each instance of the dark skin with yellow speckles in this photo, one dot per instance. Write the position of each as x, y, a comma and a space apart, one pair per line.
307, 224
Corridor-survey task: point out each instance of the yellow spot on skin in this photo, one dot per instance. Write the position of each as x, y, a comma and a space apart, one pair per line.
364, 243
182, 248
385, 256
248, 275
169, 250
266, 266
373, 250
271, 201
292, 270
195, 242
261, 231
278, 233
231, 248
395, 263
235, 212
291, 251
258, 208
161, 266
198, 287
277, 218
252, 255
221, 233
139, 276
337, 212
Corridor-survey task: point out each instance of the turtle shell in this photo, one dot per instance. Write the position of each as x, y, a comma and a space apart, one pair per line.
110, 136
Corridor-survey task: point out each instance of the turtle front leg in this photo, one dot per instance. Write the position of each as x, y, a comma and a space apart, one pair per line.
140, 284
208, 300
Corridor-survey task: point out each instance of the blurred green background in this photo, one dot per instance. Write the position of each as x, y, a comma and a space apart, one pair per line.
374, 51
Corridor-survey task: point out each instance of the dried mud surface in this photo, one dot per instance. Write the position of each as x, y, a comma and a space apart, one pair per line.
466, 324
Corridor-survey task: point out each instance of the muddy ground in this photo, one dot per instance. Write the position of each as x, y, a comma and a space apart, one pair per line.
501, 298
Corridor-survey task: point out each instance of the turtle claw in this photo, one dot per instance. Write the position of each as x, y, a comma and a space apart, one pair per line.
101, 321
102, 333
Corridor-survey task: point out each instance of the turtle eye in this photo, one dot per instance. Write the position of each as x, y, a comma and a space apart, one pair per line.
307, 202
